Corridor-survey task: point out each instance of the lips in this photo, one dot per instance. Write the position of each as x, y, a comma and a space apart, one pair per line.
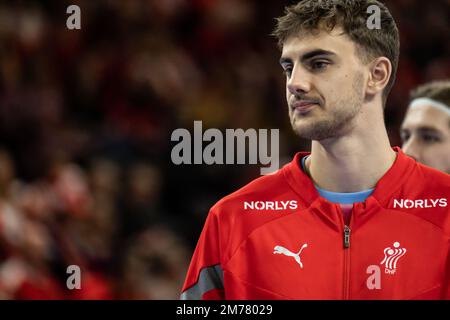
303, 106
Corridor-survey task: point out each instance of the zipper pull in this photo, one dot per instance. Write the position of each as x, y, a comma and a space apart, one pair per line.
346, 237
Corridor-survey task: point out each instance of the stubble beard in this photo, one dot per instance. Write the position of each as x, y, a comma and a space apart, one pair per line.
333, 123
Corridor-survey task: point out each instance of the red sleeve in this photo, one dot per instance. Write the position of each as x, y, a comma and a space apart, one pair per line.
204, 279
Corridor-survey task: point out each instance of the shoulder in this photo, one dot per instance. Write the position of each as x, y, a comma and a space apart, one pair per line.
426, 195
426, 177
263, 188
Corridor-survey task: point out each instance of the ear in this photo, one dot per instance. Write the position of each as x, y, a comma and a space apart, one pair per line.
379, 75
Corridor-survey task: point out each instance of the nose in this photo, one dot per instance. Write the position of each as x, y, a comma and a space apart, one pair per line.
412, 149
299, 82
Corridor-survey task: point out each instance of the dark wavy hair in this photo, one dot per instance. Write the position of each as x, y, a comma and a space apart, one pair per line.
351, 16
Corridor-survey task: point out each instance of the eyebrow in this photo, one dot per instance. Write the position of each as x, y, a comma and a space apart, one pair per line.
424, 129
309, 55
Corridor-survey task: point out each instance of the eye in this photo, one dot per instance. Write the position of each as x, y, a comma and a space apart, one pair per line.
404, 135
319, 64
287, 71
430, 138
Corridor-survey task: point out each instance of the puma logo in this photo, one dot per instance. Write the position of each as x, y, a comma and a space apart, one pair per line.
286, 252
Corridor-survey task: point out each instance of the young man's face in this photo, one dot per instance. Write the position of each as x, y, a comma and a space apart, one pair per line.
425, 134
324, 83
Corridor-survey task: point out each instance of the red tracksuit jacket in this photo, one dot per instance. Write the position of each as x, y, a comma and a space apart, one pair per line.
276, 238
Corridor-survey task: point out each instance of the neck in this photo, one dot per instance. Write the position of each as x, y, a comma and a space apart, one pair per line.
352, 162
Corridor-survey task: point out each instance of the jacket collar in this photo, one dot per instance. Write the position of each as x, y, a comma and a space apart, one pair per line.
386, 187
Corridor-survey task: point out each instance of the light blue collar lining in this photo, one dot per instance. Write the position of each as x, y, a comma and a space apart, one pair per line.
341, 197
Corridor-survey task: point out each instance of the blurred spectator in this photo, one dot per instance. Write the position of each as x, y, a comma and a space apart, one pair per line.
153, 266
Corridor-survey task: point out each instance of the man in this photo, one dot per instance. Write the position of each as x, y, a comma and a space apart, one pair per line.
425, 130
355, 218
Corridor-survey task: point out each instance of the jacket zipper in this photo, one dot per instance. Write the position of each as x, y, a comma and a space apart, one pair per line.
347, 232
346, 244
347, 237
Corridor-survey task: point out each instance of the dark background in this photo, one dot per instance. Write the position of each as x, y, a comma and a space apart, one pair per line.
86, 117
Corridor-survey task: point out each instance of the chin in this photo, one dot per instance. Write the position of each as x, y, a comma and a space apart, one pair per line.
313, 130
309, 133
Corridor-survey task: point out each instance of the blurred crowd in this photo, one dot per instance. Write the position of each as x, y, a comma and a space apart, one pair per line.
85, 122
